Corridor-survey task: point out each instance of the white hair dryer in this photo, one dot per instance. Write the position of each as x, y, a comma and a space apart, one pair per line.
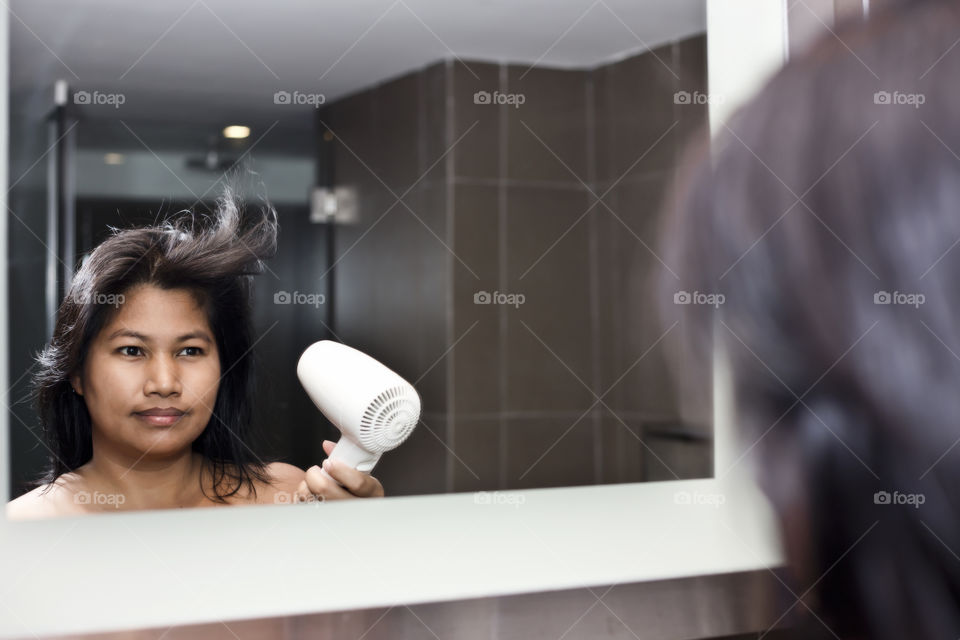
373, 407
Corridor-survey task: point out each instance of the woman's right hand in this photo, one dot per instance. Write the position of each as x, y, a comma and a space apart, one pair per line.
317, 486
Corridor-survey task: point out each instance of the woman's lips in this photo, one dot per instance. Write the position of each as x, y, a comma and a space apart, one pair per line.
160, 417
159, 421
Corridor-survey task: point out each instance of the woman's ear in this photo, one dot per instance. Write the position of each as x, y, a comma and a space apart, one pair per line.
76, 381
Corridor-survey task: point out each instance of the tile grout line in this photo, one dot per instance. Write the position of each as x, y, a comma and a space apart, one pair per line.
449, 168
594, 258
503, 159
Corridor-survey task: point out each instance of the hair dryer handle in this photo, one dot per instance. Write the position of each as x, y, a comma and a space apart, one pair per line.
353, 455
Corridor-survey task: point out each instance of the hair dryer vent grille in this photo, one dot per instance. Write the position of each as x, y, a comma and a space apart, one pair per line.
389, 419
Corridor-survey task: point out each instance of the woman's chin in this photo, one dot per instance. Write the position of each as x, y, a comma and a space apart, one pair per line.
164, 441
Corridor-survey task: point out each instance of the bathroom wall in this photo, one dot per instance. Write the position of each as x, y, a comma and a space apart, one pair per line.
392, 272
551, 195
737, 606
649, 107
27, 251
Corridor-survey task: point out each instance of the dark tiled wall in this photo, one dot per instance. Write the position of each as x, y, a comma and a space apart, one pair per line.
699, 607
558, 199
555, 199
392, 270
643, 124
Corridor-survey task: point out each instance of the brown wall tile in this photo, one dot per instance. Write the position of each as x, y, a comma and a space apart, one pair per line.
547, 134
477, 155
476, 443
549, 335
549, 452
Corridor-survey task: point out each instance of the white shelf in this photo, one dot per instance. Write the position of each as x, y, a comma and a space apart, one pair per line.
160, 568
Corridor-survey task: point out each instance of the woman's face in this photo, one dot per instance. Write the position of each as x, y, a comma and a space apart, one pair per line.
156, 355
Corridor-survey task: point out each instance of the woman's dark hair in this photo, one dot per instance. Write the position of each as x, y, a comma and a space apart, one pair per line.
827, 214
212, 256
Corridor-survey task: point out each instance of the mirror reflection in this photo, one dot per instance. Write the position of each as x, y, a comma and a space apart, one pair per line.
467, 198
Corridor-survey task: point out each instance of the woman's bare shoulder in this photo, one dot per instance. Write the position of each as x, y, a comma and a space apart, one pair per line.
280, 483
47, 501
284, 473
61, 497
284, 480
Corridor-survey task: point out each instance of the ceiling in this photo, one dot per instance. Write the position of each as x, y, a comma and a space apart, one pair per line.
215, 62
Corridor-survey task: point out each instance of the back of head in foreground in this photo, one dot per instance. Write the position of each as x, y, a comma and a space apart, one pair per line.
828, 217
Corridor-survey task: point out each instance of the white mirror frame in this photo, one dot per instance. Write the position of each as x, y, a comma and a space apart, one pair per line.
161, 568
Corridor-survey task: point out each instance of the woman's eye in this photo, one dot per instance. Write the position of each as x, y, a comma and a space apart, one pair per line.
136, 351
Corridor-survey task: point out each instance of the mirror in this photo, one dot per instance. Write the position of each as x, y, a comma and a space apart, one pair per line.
469, 194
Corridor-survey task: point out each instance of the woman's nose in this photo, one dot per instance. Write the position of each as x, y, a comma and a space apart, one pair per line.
162, 377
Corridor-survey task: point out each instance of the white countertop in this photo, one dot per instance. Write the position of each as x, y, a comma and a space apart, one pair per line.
159, 568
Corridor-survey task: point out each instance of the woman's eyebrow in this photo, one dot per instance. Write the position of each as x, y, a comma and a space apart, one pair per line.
127, 333
199, 335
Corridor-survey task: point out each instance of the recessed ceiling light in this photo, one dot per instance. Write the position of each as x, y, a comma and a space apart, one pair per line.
114, 158
236, 131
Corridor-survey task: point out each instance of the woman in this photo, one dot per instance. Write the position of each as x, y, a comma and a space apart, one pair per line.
144, 391
828, 217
